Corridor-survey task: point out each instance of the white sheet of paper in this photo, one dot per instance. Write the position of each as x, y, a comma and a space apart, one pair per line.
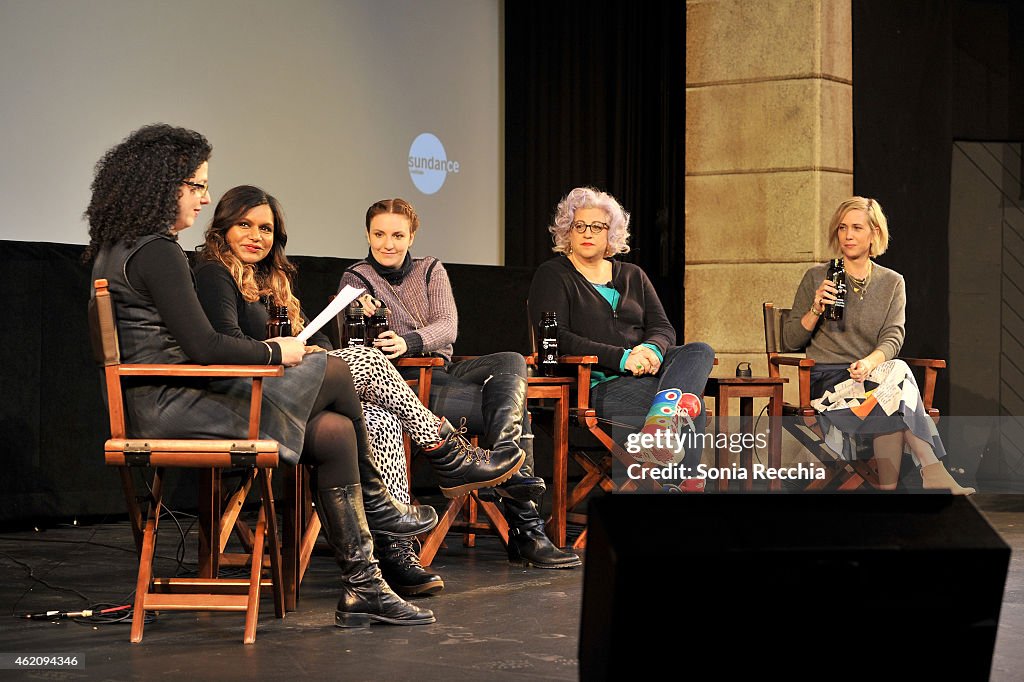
344, 297
910, 398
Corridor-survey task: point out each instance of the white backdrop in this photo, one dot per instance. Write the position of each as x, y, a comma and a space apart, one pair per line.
316, 101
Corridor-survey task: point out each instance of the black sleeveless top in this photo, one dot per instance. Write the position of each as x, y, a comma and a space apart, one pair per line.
195, 408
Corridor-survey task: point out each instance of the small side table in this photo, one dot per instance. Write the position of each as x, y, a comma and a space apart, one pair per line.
746, 389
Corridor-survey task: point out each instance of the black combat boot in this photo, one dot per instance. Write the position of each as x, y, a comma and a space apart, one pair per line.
461, 468
401, 567
523, 485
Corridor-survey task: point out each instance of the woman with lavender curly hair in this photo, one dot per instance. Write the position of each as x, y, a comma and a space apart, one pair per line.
610, 309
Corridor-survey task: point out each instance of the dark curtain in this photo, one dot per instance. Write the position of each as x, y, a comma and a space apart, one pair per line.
926, 74
902, 146
595, 95
988, 70
52, 420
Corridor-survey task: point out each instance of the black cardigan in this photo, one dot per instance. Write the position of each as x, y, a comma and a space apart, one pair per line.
587, 325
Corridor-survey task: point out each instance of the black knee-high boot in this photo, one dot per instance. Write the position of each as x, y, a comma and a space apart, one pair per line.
365, 597
503, 404
384, 514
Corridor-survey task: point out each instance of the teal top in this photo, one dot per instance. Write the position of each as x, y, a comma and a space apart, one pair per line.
613, 296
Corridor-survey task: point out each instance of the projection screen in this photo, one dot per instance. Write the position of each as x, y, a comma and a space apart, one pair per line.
327, 104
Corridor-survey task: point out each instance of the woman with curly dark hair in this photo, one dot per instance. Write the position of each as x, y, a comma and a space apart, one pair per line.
147, 189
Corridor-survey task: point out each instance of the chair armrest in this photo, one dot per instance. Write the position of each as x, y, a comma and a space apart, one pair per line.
114, 373
578, 359
924, 362
422, 383
791, 361
582, 363
419, 362
931, 373
803, 365
201, 370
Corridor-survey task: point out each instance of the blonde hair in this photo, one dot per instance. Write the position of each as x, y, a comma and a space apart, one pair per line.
876, 220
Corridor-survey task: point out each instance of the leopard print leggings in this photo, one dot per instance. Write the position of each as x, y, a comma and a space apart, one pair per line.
389, 407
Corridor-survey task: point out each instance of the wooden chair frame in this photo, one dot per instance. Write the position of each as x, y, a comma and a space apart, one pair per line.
545, 389
842, 474
299, 531
468, 506
597, 472
257, 457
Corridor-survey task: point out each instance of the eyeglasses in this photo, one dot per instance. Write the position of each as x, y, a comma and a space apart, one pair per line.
200, 188
596, 228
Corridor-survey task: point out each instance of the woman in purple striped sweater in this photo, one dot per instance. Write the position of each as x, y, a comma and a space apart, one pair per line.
488, 392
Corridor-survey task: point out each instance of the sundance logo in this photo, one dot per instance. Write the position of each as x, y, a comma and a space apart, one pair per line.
428, 163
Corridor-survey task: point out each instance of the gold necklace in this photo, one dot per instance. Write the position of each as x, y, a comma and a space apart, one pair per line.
860, 286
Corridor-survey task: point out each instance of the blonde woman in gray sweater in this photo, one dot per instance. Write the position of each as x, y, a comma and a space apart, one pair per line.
867, 401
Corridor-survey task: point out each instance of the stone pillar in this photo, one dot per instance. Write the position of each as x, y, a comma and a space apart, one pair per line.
769, 154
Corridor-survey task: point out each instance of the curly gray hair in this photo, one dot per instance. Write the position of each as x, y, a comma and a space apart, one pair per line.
589, 197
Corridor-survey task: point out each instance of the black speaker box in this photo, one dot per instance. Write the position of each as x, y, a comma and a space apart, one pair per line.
806, 586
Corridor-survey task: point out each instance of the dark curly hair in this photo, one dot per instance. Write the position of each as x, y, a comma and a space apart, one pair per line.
137, 184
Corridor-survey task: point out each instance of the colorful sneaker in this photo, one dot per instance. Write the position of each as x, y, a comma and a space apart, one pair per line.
671, 417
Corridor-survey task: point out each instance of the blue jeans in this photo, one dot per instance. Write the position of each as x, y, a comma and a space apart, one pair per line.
626, 401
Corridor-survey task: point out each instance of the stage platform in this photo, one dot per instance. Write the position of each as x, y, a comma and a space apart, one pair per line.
495, 621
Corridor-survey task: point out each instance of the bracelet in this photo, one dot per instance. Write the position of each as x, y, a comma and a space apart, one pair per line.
270, 352
817, 313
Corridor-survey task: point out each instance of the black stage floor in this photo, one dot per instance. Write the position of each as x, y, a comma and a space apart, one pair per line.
495, 621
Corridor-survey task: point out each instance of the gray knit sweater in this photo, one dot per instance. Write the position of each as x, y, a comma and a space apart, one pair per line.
876, 323
422, 308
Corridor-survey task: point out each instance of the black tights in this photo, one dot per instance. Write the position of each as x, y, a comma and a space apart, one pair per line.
336, 432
